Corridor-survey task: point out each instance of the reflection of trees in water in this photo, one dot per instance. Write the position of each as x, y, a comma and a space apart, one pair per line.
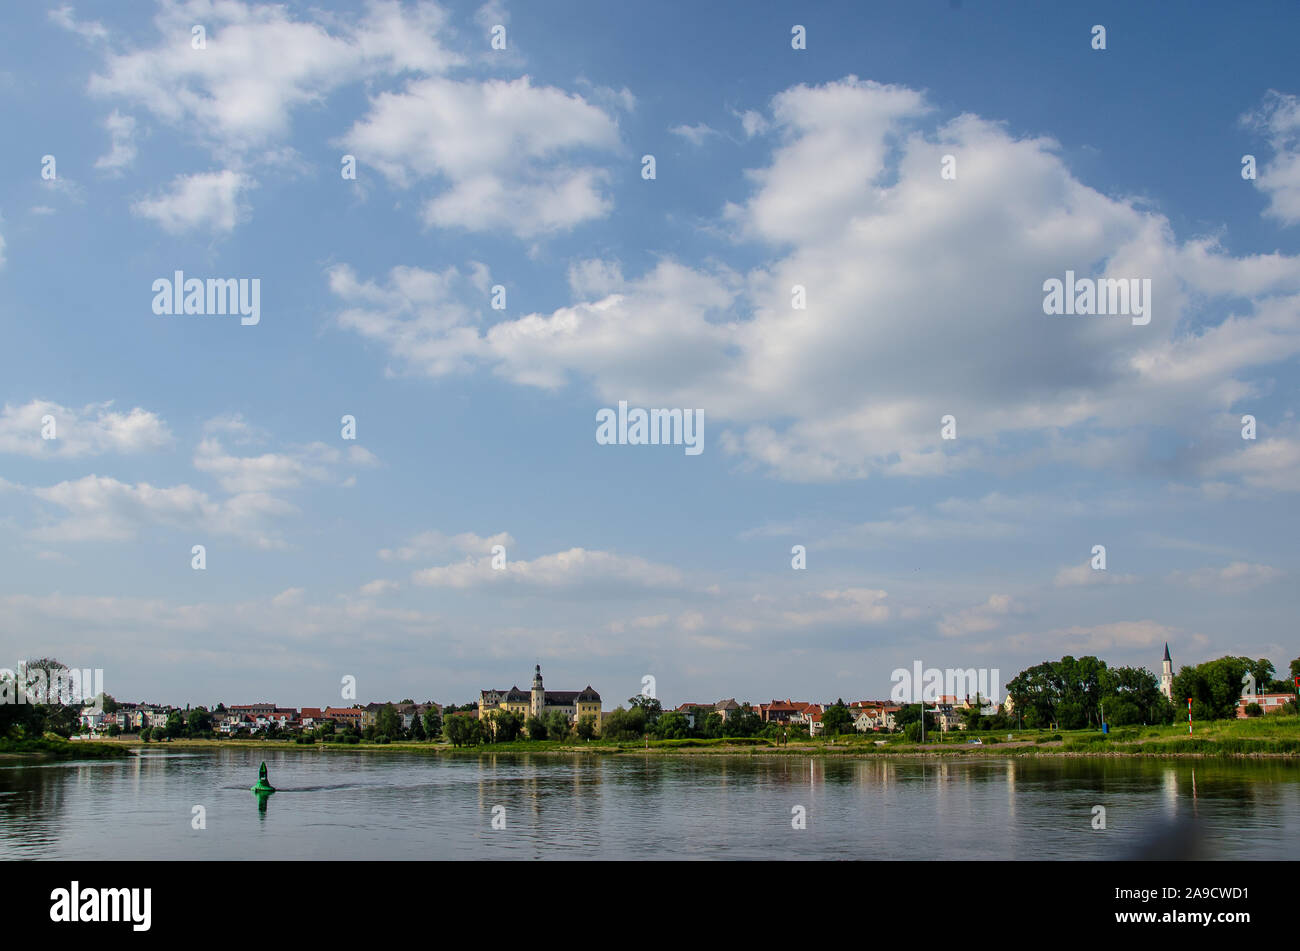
32, 807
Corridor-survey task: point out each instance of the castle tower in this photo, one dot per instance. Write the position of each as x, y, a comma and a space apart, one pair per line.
1167, 675
539, 695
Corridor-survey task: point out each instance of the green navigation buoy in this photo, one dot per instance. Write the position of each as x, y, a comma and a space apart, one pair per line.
262, 785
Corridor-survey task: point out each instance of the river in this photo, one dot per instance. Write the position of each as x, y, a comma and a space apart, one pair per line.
352, 805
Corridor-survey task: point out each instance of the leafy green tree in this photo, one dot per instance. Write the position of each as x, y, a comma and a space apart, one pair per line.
1067, 692
1215, 686
200, 721
432, 723
712, 725
911, 713
650, 708
17, 720
557, 725
463, 730
1131, 695
621, 724
506, 726
388, 722
586, 728
536, 727
52, 707
454, 729
836, 719
742, 722
673, 726
417, 728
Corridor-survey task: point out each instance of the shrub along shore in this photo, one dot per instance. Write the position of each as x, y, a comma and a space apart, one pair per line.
1273, 736
51, 746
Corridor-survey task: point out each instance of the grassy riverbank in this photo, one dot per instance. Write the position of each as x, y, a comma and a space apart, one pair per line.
55, 747
1273, 736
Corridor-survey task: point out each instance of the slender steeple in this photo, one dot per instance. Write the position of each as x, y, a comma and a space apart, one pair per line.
538, 705
1167, 674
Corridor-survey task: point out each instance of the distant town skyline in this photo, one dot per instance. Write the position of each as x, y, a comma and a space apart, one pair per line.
466, 384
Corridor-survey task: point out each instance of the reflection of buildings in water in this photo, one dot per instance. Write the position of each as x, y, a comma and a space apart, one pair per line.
1011, 789
1169, 787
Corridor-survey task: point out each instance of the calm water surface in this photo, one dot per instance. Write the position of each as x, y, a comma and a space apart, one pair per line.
339, 805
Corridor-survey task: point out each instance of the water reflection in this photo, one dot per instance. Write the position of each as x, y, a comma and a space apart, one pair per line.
375, 805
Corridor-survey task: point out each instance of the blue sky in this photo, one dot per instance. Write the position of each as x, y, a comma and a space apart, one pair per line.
523, 168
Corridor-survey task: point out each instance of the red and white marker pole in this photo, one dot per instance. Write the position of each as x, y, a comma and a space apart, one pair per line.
1189, 716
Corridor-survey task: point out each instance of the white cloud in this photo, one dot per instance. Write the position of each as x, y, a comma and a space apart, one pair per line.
842, 606
288, 598
1231, 579
91, 430
205, 200
505, 149
753, 122
696, 134
261, 64
274, 471
980, 618
491, 14
577, 568
435, 544
893, 258
1073, 576
1080, 640
1271, 463
101, 508
1279, 118
122, 150
90, 30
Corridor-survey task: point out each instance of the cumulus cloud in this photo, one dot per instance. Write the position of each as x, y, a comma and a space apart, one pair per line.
262, 62
205, 200
101, 508
842, 606
274, 471
696, 134
434, 544
1079, 640
1278, 117
91, 430
753, 122
1230, 579
980, 618
122, 150
1271, 463
1081, 575
893, 259
506, 152
577, 568
89, 30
